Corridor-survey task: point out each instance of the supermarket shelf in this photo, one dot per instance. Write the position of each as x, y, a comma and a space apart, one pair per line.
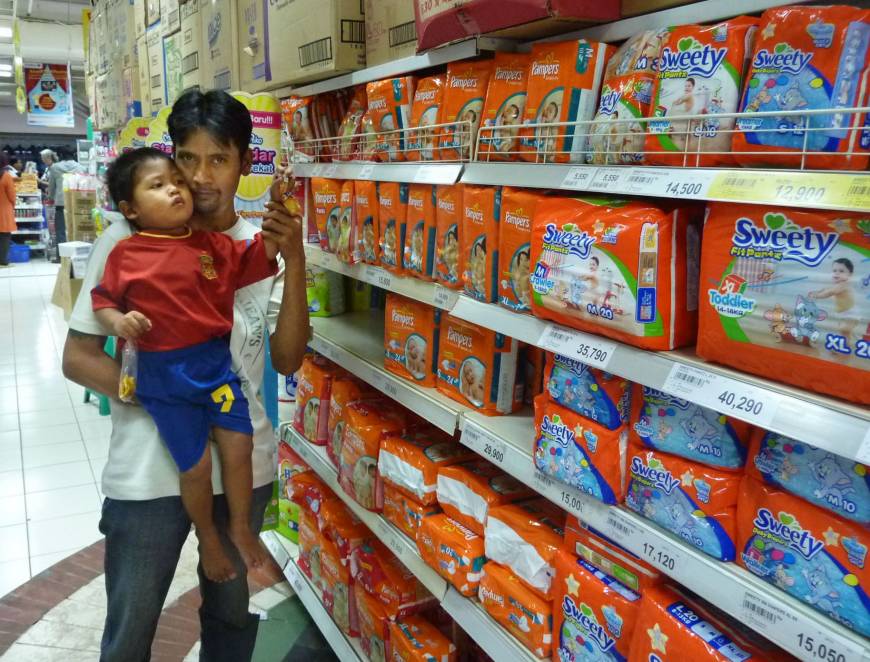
38, 231
413, 173
31, 219
356, 342
506, 441
29, 195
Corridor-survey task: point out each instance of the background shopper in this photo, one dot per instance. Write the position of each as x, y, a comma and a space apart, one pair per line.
7, 210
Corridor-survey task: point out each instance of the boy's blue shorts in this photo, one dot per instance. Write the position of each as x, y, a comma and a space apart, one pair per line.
188, 391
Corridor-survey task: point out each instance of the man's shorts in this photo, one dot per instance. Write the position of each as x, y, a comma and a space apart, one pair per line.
188, 391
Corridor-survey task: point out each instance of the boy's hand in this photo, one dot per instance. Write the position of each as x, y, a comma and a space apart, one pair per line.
132, 325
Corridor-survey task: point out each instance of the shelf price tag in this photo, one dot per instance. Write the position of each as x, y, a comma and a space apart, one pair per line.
863, 454
611, 180
483, 442
583, 347
426, 174
276, 549
293, 574
444, 297
385, 384
330, 170
365, 171
579, 178
379, 277
390, 537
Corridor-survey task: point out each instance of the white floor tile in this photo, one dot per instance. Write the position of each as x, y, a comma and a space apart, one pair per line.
100, 428
10, 439
8, 422
46, 417
45, 561
51, 380
97, 466
54, 535
98, 447
10, 459
93, 593
41, 456
12, 511
12, 575
13, 543
266, 599
56, 476
38, 403
73, 637
11, 484
7, 381
62, 503
87, 412
33, 653
51, 434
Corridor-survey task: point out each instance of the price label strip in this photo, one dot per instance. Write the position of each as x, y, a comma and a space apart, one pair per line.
656, 550
445, 298
483, 442
365, 172
579, 178
294, 575
610, 180
863, 454
390, 537
379, 277
276, 549
801, 189
583, 347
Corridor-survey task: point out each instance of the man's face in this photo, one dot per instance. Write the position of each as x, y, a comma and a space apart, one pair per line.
212, 171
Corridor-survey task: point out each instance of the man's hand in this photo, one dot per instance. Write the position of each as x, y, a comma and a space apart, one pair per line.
132, 325
283, 228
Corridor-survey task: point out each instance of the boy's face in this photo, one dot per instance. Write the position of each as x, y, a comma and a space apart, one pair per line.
212, 171
161, 198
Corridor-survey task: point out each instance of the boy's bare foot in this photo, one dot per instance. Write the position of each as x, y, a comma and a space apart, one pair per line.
215, 563
253, 553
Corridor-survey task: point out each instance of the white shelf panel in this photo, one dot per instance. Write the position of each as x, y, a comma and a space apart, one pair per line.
37, 219
412, 173
29, 232
356, 342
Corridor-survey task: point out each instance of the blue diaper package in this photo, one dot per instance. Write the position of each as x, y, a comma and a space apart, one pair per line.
592, 393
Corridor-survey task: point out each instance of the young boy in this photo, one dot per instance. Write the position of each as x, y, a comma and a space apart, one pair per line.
171, 290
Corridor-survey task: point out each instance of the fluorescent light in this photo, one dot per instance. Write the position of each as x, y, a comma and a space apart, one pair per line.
4, 65
5, 32
5, 73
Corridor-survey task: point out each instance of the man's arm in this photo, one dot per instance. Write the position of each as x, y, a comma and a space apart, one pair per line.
85, 363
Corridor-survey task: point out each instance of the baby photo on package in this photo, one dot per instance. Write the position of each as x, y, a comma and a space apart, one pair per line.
425, 114
345, 249
419, 250
312, 398
504, 107
448, 230
296, 112
366, 209
327, 211
478, 252
462, 107
388, 114
514, 248
453, 551
590, 392
345, 389
411, 339
392, 215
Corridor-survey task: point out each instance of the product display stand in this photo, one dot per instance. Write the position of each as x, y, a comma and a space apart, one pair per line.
30, 218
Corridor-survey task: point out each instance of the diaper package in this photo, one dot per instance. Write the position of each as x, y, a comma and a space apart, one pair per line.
349, 143
478, 367
676, 426
786, 298
831, 481
425, 114
289, 466
310, 548
579, 452
312, 398
366, 210
478, 260
296, 112
338, 590
693, 501
448, 228
327, 211
563, 83
514, 246
419, 250
700, 72
324, 292
524, 537
625, 270
590, 392
504, 107
338, 524
807, 58
523, 613
594, 615
307, 490
366, 423
346, 246
392, 214
453, 551
404, 512
389, 112
462, 107
411, 339
533, 364
377, 570
414, 639
345, 389
410, 462
374, 626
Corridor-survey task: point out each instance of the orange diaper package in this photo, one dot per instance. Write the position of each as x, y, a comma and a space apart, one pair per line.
345, 389
349, 142
478, 367
462, 107
366, 209
448, 229
392, 214
784, 296
312, 398
338, 589
327, 210
422, 142
341, 526
310, 547
411, 339
414, 639
594, 616
367, 421
503, 110
532, 365
625, 270
310, 493
346, 245
404, 512
296, 112
377, 570
514, 246
523, 613
453, 551
410, 462
467, 491
419, 250
478, 250
389, 112
525, 537
563, 83
374, 626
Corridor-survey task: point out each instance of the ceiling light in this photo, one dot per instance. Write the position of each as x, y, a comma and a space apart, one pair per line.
5, 73
5, 32
5, 65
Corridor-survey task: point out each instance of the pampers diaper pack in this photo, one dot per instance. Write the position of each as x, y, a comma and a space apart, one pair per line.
374, 626
807, 58
342, 527
389, 110
392, 214
668, 423
312, 398
805, 551
448, 229
831, 481
345, 389
462, 107
593, 393
478, 250
478, 367
579, 452
784, 295
700, 72
404, 512
514, 246
594, 615
367, 208
453, 551
564, 79
310, 547
504, 107
338, 590
695, 502
377, 570
423, 140
626, 270
411, 339
327, 211
419, 253
345, 248
414, 639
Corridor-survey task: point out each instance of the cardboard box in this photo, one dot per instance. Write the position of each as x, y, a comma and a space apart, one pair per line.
314, 39
170, 17
220, 45
635, 7
132, 96
391, 32
139, 18
144, 75
100, 48
253, 63
111, 112
79, 267
156, 69
191, 41
75, 249
152, 12
173, 73
66, 288
80, 225
443, 22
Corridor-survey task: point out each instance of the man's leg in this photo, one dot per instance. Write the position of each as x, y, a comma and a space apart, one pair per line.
229, 631
59, 225
143, 544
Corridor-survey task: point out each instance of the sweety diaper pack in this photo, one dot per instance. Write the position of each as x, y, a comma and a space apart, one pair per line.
366, 209
392, 216
514, 248
448, 229
784, 295
404, 512
478, 250
411, 336
425, 113
453, 551
327, 211
419, 251
504, 107
593, 393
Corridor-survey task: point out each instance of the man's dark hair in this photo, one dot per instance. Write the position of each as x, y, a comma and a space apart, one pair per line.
121, 174
63, 154
225, 118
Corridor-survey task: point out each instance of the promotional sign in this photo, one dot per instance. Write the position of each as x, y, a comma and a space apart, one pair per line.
49, 95
158, 132
253, 192
134, 135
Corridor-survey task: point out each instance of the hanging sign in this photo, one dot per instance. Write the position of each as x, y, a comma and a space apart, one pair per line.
49, 95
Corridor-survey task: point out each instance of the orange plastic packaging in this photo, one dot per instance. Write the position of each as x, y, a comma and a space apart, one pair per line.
366, 209
377, 570
533, 362
590, 392
342, 527
478, 252
454, 552
594, 616
523, 613
312, 398
563, 83
338, 589
346, 247
807, 58
625, 270
462, 107
419, 252
310, 547
478, 367
525, 537
296, 112
366, 423
414, 639
691, 500
411, 339
327, 211
374, 626
404, 512
514, 248
503, 110
388, 115
448, 230
392, 214
467, 491
345, 389
410, 462
310, 493
425, 114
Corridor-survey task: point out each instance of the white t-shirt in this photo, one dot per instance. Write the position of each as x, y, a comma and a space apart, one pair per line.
139, 465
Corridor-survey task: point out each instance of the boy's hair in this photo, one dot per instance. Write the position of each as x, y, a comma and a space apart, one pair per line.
225, 119
846, 262
121, 174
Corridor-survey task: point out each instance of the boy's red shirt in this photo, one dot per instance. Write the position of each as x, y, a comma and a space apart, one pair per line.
185, 285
